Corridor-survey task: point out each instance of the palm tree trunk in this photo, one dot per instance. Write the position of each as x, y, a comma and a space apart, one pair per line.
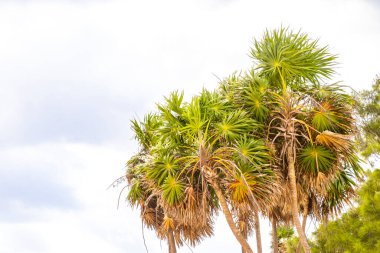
227, 214
245, 237
171, 241
258, 232
303, 226
274, 236
294, 202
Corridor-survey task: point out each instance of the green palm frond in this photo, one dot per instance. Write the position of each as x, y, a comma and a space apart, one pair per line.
228, 87
325, 118
173, 104
333, 115
172, 190
328, 91
314, 159
145, 131
163, 167
253, 151
285, 56
172, 118
351, 163
135, 193
255, 82
235, 125
138, 130
253, 181
284, 232
255, 98
170, 132
339, 192
213, 104
195, 119
333, 108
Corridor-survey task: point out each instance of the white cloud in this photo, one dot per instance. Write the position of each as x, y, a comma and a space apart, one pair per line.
93, 224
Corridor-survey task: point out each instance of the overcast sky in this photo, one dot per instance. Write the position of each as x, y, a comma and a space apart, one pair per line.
74, 73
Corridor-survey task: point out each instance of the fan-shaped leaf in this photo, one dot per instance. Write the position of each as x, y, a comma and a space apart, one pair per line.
172, 190
314, 159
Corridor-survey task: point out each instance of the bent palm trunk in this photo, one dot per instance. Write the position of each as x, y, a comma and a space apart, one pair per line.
171, 241
294, 202
223, 203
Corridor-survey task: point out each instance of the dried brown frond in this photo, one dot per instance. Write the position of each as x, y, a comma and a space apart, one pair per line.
334, 141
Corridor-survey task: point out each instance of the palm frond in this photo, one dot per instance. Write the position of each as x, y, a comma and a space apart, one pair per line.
334, 141
236, 124
135, 192
161, 168
240, 187
285, 56
172, 190
254, 98
253, 151
315, 159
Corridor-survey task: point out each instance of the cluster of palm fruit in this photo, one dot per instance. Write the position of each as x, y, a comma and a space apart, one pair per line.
273, 141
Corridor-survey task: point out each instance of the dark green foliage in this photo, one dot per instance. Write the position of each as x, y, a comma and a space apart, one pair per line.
357, 231
284, 232
369, 110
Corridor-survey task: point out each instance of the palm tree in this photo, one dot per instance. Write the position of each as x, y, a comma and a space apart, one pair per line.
155, 188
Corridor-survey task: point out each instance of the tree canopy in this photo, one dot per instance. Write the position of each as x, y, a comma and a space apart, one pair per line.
369, 111
358, 230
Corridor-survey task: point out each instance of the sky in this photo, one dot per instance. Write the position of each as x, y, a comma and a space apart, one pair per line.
74, 73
